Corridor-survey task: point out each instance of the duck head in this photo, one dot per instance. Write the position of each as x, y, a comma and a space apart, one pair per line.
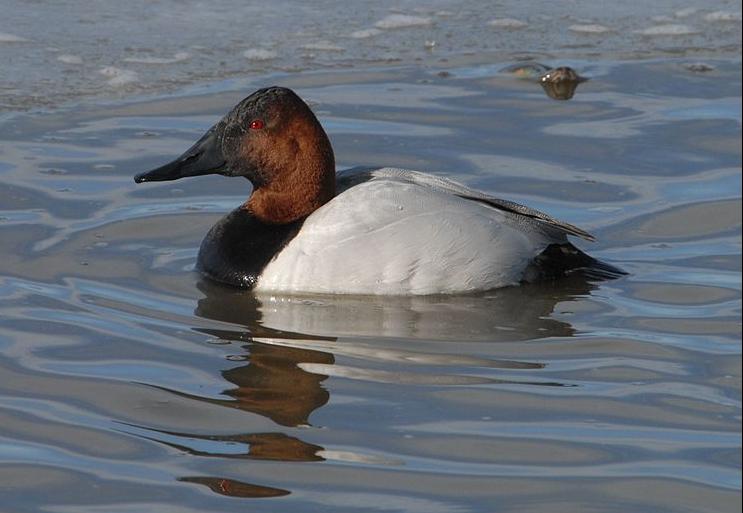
273, 139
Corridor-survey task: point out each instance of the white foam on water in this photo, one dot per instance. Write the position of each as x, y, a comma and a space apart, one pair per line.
323, 46
11, 38
259, 54
70, 59
394, 21
668, 30
723, 16
365, 33
590, 28
118, 77
178, 57
509, 23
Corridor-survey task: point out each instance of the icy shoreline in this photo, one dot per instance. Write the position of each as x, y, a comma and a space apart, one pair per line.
143, 48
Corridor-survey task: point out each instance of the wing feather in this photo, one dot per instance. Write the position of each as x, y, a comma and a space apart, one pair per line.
353, 176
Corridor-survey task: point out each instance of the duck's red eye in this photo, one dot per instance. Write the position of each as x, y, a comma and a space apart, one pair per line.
256, 124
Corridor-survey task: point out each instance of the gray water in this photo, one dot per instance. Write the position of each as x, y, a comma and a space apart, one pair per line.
52, 53
128, 383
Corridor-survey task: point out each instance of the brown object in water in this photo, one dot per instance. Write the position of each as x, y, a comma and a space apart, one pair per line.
561, 83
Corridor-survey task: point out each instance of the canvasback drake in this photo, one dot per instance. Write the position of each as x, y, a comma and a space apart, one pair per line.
385, 231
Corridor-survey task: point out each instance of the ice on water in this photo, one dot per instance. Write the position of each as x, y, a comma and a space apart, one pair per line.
71, 52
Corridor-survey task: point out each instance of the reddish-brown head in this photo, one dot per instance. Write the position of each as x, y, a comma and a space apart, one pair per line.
273, 139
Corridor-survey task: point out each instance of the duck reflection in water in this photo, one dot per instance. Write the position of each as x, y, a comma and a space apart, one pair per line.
281, 380
273, 384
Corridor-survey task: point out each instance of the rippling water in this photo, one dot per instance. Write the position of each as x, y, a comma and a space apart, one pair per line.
127, 383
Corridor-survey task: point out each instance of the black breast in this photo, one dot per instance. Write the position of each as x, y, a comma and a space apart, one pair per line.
239, 246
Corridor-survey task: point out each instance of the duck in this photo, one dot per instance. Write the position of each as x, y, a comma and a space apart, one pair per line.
306, 229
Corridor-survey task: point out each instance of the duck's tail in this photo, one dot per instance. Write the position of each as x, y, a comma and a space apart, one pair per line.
559, 260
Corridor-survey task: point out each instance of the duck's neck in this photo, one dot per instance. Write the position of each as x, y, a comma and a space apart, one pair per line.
298, 186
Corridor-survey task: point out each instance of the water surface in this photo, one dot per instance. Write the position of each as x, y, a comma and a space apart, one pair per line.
128, 383
62, 51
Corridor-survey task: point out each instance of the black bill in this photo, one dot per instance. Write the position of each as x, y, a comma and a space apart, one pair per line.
203, 158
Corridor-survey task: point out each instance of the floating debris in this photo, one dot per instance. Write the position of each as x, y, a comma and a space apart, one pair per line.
558, 83
561, 83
